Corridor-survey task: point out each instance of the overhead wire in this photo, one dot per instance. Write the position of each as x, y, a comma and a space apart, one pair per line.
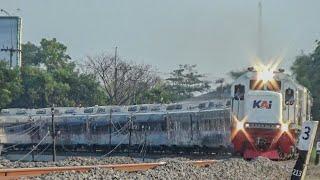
13, 126
43, 124
44, 150
18, 143
3, 149
118, 132
114, 147
118, 125
26, 131
35, 147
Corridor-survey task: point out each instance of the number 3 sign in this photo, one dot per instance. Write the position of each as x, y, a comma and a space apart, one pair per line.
308, 132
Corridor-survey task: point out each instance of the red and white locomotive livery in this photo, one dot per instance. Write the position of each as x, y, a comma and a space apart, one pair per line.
268, 108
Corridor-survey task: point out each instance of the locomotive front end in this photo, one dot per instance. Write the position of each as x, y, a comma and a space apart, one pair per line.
261, 124
265, 125
267, 109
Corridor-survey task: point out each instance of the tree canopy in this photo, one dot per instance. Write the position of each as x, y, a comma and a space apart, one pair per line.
123, 81
185, 81
10, 84
48, 76
306, 70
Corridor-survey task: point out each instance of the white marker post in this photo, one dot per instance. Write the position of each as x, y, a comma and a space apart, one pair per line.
305, 144
318, 152
318, 147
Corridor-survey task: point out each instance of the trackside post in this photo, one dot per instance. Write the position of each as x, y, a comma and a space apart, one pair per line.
305, 144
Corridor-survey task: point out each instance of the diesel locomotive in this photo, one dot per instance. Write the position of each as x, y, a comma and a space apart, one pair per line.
268, 109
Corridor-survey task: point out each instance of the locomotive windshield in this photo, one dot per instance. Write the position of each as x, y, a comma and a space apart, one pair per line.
272, 85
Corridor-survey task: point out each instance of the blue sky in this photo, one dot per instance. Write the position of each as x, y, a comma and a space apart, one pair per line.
218, 36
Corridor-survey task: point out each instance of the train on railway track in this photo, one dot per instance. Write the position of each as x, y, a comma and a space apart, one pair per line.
171, 128
262, 118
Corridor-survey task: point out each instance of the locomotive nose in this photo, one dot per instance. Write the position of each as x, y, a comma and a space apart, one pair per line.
263, 107
262, 143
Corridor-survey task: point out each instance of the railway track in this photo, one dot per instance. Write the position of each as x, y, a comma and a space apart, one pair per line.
16, 173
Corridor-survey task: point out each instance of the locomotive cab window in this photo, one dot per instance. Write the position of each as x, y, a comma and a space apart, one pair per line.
239, 92
289, 97
272, 85
256, 84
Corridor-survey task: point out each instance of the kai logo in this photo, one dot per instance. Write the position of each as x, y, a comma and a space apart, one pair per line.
262, 104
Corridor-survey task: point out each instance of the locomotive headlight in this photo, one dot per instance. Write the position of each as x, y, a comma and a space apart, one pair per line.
240, 125
278, 126
285, 127
265, 75
247, 125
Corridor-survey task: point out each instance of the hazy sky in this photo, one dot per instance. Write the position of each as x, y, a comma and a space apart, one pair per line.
218, 36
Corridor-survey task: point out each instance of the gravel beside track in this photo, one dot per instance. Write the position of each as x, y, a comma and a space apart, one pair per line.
72, 161
175, 168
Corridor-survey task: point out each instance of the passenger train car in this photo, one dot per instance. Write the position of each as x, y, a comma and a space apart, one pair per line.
268, 108
172, 127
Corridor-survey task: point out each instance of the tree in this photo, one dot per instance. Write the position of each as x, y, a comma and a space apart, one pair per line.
306, 71
86, 91
185, 81
41, 90
30, 54
50, 77
53, 54
50, 53
158, 94
10, 84
122, 81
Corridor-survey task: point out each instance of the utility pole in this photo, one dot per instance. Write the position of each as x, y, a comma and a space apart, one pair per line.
145, 143
130, 133
53, 135
11, 51
115, 76
110, 128
32, 155
260, 53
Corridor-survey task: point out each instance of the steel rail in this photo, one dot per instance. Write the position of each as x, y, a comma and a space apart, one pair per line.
15, 173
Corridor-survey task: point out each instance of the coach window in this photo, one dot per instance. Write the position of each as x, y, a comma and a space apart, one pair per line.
88, 110
239, 92
41, 111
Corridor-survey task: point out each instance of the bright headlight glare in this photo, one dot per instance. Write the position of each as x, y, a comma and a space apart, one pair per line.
240, 125
285, 127
265, 75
